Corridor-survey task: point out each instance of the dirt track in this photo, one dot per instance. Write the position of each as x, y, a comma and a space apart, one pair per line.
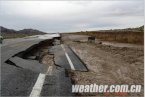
107, 64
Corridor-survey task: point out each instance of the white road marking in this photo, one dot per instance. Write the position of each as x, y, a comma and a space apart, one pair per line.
41, 78
39, 83
49, 71
68, 58
38, 86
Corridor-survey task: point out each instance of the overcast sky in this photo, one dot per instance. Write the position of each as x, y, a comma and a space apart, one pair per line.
66, 16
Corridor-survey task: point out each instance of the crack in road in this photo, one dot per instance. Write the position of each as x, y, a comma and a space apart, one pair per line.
32, 59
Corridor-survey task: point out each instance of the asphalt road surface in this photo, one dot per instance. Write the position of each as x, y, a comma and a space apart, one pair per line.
66, 58
22, 77
16, 81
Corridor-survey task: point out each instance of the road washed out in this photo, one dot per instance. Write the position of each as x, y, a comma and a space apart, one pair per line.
38, 66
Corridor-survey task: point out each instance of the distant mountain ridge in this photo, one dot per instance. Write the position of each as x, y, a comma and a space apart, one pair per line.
11, 33
26, 31
6, 30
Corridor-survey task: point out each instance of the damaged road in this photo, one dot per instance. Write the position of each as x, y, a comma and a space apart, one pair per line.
16, 81
108, 64
66, 58
38, 67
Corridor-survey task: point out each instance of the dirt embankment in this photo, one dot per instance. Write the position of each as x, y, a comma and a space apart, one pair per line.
133, 37
107, 64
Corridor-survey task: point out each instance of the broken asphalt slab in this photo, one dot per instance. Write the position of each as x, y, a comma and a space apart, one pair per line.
33, 65
11, 50
61, 60
16, 81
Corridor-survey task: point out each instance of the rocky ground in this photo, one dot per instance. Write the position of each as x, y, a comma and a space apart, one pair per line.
107, 64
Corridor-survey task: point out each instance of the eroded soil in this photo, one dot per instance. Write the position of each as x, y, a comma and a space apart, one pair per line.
107, 64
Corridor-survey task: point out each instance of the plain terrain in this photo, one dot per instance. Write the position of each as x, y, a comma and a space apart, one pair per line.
128, 35
107, 64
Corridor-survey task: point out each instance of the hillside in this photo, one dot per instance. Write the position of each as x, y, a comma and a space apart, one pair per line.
31, 31
10, 33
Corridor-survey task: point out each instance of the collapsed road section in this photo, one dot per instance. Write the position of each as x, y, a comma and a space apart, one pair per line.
38, 67
18, 70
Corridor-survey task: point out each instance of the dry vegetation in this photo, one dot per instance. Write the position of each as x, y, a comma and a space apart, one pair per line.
130, 35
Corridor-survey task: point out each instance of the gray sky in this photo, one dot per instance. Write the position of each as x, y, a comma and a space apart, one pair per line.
66, 16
